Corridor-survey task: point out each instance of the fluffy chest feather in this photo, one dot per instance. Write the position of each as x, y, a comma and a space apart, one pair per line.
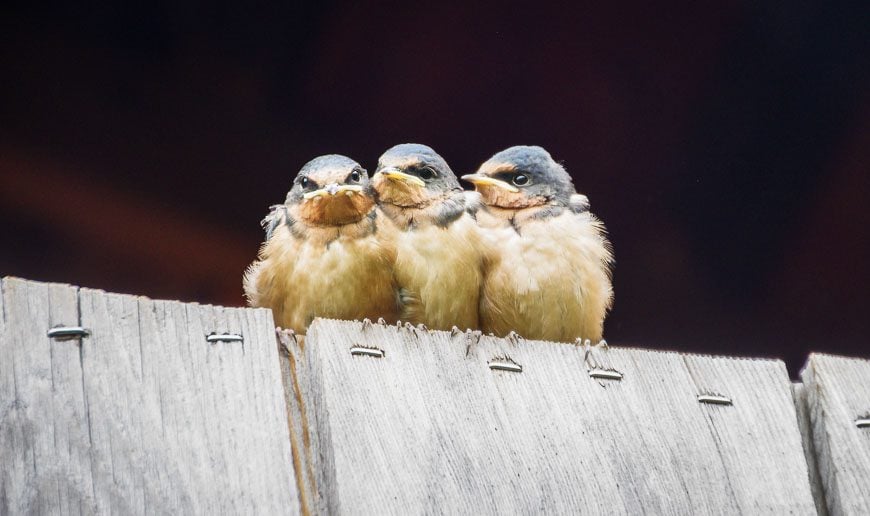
438, 272
549, 280
347, 277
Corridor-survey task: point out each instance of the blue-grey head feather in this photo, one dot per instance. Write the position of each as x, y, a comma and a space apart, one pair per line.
547, 178
336, 165
443, 179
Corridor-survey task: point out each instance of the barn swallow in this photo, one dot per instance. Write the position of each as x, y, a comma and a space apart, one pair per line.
551, 273
322, 256
438, 262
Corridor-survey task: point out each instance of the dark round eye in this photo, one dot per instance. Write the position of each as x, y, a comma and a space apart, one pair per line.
520, 179
304, 182
426, 173
354, 176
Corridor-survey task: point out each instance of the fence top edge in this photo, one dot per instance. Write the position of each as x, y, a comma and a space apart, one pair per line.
138, 297
320, 321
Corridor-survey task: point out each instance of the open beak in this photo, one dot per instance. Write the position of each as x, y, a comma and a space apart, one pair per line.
395, 174
333, 189
482, 180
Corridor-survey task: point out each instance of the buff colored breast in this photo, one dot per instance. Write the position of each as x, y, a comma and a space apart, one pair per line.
551, 281
350, 278
439, 273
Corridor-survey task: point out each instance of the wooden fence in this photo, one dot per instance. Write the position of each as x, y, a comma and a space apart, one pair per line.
120, 404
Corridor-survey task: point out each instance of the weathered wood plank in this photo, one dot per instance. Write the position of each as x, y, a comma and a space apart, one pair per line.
112, 365
145, 416
430, 427
44, 434
838, 395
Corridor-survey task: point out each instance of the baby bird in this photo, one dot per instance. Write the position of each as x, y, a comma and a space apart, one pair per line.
550, 278
438, 264
322, 257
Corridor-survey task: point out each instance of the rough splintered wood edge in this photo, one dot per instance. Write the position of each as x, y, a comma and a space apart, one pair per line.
799, 391
290, 349
592, 349
842, 449
697, 373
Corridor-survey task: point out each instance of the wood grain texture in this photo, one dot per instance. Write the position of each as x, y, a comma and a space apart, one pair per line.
838, 393
44, 435
430, 428
143, 416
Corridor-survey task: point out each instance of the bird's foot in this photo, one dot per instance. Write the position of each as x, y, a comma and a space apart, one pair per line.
286, 339
411, 328
472, 337
598, 362
513, 337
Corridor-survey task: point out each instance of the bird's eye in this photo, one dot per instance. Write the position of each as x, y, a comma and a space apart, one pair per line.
354, 176
304, 182
520, 179
426, 173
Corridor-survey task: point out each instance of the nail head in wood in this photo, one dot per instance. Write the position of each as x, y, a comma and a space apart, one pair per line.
714, 399
68, 332
863, 422
367, 352
605, 374
224, 337
505, 365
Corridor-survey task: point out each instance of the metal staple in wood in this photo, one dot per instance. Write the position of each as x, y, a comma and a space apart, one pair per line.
714, 399
605, 374
68, 332
224, 337
368, 352
503, 365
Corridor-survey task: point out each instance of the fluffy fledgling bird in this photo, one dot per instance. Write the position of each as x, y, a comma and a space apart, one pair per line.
322, 256
438, 262
551, 274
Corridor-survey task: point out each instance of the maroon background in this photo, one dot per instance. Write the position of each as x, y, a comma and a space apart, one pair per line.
725, 146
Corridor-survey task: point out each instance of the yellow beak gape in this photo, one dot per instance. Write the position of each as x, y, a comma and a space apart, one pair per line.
333, 189
395, 174
482, 180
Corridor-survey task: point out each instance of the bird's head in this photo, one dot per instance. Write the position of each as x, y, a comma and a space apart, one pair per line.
522, 177
412, 175
331, 190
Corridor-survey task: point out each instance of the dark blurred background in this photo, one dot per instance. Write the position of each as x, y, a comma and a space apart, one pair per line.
725, 144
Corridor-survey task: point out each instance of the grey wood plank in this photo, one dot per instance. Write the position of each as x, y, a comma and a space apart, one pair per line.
112, 365
759, 431
805, 426
838, 394
430, 428
264, 375
173, 393
252, 418
145, 416
44, 433
200, 323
